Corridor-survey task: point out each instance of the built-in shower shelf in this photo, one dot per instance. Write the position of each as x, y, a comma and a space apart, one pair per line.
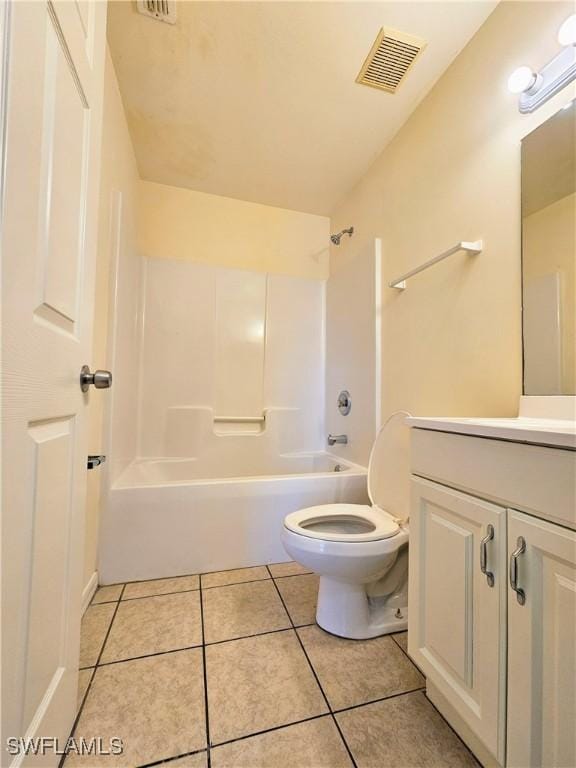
239, 425
240, 419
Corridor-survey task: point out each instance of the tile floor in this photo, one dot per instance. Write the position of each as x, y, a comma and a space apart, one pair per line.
229, 670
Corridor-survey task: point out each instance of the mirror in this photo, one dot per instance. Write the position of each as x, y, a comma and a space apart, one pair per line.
549, 256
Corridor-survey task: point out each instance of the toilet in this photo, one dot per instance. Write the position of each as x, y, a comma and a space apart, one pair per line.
359, 551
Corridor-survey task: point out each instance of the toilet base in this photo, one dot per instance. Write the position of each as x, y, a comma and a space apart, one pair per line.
345, 610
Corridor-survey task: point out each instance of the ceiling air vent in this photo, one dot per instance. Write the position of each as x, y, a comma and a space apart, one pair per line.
162, 10
392, 55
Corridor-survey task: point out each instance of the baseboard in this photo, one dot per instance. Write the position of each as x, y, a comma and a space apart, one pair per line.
88, 591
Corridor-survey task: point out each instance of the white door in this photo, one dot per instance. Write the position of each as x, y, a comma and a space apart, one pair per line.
542, 645
457, 623
52, 92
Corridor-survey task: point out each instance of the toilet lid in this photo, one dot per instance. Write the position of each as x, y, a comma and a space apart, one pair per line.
389, 467
342, 522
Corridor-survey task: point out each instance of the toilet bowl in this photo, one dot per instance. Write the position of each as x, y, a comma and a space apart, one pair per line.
361, 551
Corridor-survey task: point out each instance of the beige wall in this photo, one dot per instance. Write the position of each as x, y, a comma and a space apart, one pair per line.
119, 178
177, 223
549, 242
452, 340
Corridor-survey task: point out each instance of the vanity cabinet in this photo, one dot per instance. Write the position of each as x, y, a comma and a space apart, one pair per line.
492, 621
542, 645
457, 619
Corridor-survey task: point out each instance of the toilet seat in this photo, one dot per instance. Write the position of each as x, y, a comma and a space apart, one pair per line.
342, 522
360, 551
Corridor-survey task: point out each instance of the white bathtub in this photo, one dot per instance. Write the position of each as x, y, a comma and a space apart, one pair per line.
166, 517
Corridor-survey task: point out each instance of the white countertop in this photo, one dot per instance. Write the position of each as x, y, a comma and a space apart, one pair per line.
560, 433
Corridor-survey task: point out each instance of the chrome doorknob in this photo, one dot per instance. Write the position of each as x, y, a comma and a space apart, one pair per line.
99, 379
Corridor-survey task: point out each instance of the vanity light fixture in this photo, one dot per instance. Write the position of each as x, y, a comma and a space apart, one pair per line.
524, 80
534, 88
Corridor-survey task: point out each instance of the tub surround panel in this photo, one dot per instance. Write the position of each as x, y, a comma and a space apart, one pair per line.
178, 345
294, 370
193, 432
240, 343
221, 343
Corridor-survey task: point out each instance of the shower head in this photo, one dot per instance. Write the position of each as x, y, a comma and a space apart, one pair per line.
336, 238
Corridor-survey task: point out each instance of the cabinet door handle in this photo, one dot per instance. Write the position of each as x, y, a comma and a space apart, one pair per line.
520, 549
484, 555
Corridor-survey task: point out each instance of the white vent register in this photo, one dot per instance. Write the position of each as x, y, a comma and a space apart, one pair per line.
161, 10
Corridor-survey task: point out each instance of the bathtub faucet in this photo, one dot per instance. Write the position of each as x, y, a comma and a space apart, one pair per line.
333, 439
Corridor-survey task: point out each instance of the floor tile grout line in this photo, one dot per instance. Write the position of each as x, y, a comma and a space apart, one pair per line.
196, 647
239, 583
107, 635
187, 591
167, 760
255, 734
207, 573
151, 655
94, 669
204, 573
205, 672
460, 739
292, 627
196, 589
313, 717
270, 730
162, 594
350, 755
293, 575
246, 637
331, 712
187, 575
102, 602
405, 652
379, 700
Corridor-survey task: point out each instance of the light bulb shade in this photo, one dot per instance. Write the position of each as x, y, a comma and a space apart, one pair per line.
521, 80
567, 32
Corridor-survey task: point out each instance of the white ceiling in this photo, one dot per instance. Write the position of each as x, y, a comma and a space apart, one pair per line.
258, 100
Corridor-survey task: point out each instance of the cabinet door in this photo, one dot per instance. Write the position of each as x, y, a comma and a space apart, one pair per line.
542, 645
457, 621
